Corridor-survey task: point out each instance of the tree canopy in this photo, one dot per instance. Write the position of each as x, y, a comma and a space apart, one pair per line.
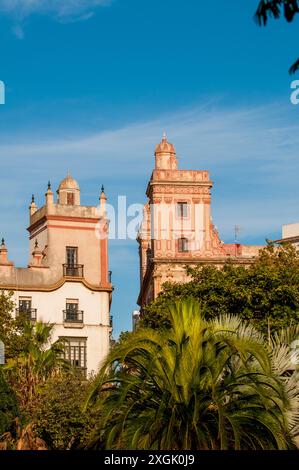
265, 293
200, 385
8, 405
275, 9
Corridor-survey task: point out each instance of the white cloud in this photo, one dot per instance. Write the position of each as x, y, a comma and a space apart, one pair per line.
65, 11
252, 156
58, 8
18, 31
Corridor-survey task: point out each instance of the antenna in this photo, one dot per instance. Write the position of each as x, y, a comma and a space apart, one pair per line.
237, 231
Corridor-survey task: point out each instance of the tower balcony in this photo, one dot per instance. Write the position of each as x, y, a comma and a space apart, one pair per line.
74, 270
28, 314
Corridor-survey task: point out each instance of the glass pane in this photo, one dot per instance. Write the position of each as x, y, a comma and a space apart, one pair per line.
71, 256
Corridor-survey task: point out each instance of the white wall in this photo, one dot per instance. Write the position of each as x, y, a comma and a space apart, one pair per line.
291, 230
50, 306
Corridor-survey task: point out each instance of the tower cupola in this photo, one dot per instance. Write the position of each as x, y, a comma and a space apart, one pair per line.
165, 155
69, 191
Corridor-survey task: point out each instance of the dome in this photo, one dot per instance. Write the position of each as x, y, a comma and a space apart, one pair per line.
164, 146
68, 183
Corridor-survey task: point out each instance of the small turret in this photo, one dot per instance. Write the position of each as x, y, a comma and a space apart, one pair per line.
49, 196
103, 200
3, 255
33, 207
37, 255
165, 155
69, 191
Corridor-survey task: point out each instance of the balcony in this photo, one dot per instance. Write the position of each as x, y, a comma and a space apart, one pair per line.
74, 270
73, 316
28, 314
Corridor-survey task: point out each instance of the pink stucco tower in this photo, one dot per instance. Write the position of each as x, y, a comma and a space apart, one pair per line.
177, 228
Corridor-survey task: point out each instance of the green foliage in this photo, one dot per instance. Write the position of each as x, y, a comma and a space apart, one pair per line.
201, 384
10, 328
8, 405
265, 293
59, 418
277, 8
38, 361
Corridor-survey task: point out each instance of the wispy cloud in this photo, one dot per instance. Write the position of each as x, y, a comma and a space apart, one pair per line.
252, 155
62, 10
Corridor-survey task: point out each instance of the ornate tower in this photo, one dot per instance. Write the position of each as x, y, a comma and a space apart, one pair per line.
177, 228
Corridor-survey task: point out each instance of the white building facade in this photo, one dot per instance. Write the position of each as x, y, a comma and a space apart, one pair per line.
67, 282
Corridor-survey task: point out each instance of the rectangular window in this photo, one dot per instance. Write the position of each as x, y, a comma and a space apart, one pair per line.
183, 245
25, 309
72, 314
182, 209
25, 304
71, 256
75, 352
70, 199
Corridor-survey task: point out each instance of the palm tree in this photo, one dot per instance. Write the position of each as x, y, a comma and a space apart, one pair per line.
38, 361
200, 385
284, 348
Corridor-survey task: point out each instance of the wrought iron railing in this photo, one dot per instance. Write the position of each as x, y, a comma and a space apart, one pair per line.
27, 313
73, 270
73, 316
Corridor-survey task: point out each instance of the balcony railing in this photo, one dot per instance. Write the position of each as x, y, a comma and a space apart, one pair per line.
73, 316
28, 314
74, 270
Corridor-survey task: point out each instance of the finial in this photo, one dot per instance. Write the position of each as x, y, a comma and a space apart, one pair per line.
68, 174
2, 242
164, 136
103, 190
49, 184
32, 199
36, 243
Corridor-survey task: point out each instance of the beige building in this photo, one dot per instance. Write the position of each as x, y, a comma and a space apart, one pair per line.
177, 228
290, 233
67, 281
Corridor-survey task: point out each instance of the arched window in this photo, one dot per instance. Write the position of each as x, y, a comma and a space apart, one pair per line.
183, 245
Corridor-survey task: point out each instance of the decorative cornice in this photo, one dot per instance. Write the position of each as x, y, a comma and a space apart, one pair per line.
58, 285
63, 218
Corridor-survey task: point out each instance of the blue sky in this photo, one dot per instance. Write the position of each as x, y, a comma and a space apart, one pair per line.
91, 85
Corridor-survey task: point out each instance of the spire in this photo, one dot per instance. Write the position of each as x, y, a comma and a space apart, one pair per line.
33, 206
37, 255
103, 195
49, 195
3, 255
103, 200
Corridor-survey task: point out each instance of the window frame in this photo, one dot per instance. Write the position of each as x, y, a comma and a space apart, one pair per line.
182, 209
183, 245
71, 350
